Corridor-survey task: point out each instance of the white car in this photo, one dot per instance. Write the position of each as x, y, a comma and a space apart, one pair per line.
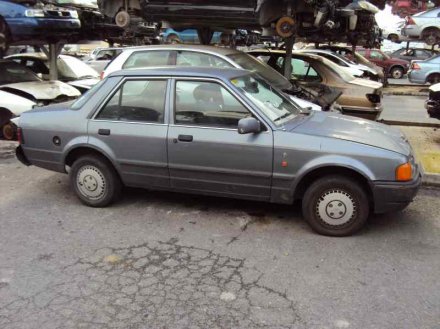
395, 34
12, 106
356, 70
424, 26
21, 90
195, 55
71, 70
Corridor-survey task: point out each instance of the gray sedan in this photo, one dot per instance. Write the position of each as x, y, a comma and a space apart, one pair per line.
222, 132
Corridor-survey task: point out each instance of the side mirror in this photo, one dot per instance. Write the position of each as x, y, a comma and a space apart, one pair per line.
249, 126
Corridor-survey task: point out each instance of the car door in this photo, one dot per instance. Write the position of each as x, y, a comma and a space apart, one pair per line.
377, 58
206, 154
132, 127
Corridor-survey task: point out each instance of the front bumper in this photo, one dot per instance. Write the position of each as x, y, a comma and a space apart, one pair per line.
394, 196
21, 156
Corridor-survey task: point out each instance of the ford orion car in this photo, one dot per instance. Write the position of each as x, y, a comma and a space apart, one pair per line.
221, 132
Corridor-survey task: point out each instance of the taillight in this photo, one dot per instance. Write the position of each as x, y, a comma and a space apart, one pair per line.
409, 21
101, 76
415, 67
20, 136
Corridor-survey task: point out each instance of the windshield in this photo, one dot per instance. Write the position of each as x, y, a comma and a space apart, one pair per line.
278, 108
250, 63
86, 96
11, 72
71, 68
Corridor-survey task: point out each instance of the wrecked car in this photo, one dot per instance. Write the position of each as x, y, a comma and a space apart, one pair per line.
71, 70
432, 105
18, 80
221, 132
209, 56
12, 106
356, 97
327, 20
30, 21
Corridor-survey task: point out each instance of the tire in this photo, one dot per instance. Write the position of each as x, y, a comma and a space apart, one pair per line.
431, 36
433, 78
394, 38
397, 72
95, 181
4, 37
173, 39
9, 131
342, 195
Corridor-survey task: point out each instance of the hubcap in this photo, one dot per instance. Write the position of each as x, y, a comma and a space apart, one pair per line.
397, 74
91, 182
336, 207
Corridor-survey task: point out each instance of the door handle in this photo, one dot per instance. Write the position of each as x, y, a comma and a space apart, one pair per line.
185, 138
104, 132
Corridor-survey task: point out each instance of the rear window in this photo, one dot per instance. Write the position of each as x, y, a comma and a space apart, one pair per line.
148, 59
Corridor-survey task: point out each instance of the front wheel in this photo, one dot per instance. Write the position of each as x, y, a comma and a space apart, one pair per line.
95, 181
335, 206
396, 72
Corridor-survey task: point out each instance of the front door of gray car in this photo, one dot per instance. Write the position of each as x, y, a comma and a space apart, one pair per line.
132, 125
205, 151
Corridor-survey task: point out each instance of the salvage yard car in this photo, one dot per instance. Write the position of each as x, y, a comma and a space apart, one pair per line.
30, 21
358, 97
20, 81
432, 105
221, 132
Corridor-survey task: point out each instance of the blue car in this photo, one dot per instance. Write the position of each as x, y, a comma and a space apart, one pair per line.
186, 36
427, 71
20, 22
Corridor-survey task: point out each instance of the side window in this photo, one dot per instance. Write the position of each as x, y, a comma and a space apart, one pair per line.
376, 55
303, 71
207, 104
137, 101
191, 58
148, 59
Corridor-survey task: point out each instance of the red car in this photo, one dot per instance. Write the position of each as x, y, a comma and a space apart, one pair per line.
404, 8
395, 68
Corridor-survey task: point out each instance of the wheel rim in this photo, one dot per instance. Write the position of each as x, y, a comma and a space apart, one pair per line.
8, 131
336, 208
397, 74
431, 38
91, 182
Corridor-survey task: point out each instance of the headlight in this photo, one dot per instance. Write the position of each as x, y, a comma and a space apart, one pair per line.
34, 13
74, 14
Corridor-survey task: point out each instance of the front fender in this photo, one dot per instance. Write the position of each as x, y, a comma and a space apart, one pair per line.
333, 161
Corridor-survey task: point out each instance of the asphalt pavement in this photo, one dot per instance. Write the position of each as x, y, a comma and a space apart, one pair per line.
165, 260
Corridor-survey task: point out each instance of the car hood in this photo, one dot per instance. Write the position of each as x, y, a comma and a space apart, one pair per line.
333, 125
42, 90
84, 83
367, 83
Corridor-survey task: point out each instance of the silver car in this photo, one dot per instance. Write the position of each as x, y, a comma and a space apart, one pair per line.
221, 132
424, 26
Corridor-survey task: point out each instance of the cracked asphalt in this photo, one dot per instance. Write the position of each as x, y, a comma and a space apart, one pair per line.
165, 260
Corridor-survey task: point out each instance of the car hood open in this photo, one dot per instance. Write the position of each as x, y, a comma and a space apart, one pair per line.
41, 90
357, 130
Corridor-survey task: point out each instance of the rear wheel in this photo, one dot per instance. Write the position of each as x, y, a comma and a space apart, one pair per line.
431, 36
9, 131
335, 206
397, 72
95, 181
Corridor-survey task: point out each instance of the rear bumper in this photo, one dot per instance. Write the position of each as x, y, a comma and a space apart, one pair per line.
394, 196
417, 77
21, 156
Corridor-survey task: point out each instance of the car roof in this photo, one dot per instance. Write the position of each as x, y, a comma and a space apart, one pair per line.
201, 72
200, 48
295, 53
41, 56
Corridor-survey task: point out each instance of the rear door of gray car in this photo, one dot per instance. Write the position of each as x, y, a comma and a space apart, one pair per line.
206, 153
132, 125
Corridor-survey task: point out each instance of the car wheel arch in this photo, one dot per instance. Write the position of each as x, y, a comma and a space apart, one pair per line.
311, 175
5, 115
87, 149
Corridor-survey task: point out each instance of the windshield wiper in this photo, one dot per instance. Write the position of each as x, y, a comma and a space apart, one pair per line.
285, 115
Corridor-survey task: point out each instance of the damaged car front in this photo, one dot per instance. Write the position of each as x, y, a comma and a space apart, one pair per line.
30, 90
432, 105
